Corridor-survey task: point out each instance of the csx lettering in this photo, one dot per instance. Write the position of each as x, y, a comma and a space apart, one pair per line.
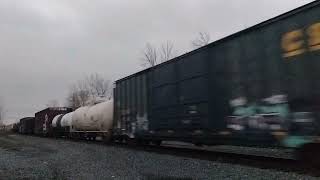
294, 42
314, 37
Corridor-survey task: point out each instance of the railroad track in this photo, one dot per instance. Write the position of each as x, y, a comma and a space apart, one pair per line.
250, 160
262, 162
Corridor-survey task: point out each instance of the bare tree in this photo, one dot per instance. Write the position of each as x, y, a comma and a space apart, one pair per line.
166, 51
73, 99
79, 95
150, 56
88, 90
202, 40
98, 86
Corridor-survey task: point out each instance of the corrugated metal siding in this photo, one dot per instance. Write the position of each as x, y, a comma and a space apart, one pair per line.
164, 97
131, 97
193, 92
180, 94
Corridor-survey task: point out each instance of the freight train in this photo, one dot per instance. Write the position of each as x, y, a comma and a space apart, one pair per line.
260, 86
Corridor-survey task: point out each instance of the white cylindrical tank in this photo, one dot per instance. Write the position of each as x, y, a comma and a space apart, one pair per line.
55, 119
79, 117
98, 117
66, 120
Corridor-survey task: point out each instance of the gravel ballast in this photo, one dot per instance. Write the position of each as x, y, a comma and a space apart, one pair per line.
27, 157
267, 152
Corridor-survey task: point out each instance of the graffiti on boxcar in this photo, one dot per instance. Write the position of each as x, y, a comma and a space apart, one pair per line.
270, 113
273, 115
46, 119
142, 122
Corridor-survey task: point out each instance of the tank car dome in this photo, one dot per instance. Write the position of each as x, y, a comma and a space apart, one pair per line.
66, 120
55, 119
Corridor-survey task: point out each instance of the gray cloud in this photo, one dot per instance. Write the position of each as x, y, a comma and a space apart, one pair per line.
47, 45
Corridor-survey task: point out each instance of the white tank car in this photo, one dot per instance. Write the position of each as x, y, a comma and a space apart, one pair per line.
98, 117
79, 118
66, 120
55, 119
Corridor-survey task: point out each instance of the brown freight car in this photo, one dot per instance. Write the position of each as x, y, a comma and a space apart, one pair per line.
43, 119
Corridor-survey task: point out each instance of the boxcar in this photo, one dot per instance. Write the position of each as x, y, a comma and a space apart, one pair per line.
259, 86
43, 119
26, 125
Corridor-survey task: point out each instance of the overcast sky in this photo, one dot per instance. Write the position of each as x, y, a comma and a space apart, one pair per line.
46, 45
